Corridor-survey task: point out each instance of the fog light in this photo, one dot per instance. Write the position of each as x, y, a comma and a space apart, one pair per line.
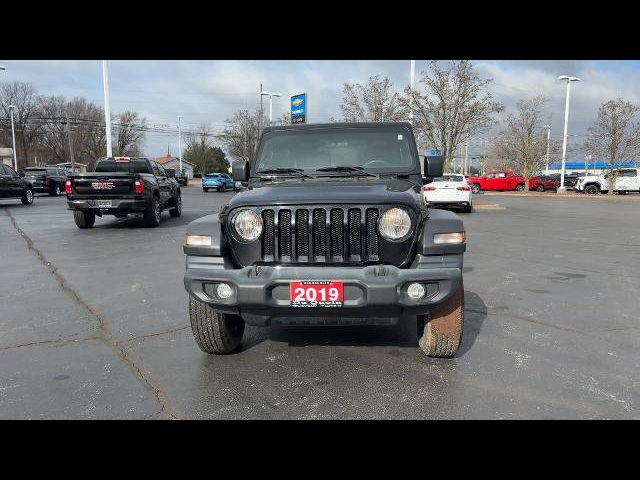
224, 290
415, 291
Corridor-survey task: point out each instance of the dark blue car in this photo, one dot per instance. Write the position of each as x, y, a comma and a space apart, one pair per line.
219, 181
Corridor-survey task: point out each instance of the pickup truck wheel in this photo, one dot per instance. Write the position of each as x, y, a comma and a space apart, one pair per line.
440, 334
55, 191
475, 188
177, 210
84, 219
27, 197
215, 332
591, 189
153, 213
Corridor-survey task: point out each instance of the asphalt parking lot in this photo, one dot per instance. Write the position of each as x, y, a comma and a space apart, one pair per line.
94, 324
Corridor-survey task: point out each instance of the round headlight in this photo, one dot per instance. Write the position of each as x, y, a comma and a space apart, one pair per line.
395, 224
248, 225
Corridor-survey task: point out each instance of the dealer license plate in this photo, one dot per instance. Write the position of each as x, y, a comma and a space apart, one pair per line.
316, 293
105, 203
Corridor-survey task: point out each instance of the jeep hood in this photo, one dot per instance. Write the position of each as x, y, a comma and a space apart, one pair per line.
338, 191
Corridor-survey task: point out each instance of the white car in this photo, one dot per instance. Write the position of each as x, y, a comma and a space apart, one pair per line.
450, 190
628, 181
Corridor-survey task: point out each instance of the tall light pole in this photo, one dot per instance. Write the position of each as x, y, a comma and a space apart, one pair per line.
73, 163
180, 142
561, 188
411, 80
13, 136
270, 95
107, 110
548, 127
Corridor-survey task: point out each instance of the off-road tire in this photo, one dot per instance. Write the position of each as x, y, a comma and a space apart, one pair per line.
440, 334
591, 190
55, 191
84, 219
153, 213
215, 332
475, 188
177, 210
27, 197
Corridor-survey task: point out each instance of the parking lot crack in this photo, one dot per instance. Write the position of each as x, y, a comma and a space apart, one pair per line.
103, 332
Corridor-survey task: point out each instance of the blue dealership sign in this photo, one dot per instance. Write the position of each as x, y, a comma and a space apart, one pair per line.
299, 108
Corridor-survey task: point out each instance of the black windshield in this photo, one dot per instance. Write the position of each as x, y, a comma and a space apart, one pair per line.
132, 166
384, 148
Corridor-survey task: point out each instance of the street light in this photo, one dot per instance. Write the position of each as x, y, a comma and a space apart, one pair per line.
561, 188
270, 95
180, 142
13, 136
412, 77
548, 127
107, 111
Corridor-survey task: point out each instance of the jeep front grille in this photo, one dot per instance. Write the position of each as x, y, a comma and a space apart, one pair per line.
320, 235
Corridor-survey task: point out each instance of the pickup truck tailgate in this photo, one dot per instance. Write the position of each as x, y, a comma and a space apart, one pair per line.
103, 185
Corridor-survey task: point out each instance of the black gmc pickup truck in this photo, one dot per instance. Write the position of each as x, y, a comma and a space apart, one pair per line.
121, 186
329, 229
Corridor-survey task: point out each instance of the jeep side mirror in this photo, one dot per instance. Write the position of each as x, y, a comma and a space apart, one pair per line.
433, 166
240, 171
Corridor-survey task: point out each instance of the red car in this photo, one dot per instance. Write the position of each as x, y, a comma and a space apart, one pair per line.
542, 183
497, 180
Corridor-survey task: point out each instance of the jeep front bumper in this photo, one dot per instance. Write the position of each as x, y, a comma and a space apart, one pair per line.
373, 294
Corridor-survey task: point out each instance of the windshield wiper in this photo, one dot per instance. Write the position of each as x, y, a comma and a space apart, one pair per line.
290, 171
348, 169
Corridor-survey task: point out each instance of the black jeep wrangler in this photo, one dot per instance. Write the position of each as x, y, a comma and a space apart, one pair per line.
329, 229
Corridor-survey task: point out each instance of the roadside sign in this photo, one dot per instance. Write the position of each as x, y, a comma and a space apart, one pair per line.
299, 108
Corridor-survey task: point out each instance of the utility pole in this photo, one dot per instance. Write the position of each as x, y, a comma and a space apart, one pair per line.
548, 127
107, 110
13, 136
180, 142
73, 163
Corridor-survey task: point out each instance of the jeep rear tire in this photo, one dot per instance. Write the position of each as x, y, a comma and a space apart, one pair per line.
215, 332
84, 219
153, 213
440, 334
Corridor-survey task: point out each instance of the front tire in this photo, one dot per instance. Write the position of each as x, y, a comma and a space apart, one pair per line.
84, 219
215, 332
55, 191
540, 188
27, 197
591, 190
440, 335
519, 188
177, 210
153, 213
475, 188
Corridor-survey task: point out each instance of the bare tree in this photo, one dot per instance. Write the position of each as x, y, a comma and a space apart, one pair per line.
130, 133
453, 105
23, 96
53, 143
615, 136
375, 101
201, 151
522, 142
242, 132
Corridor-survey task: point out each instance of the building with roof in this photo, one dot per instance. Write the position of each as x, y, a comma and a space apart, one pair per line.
588, 166
171, 162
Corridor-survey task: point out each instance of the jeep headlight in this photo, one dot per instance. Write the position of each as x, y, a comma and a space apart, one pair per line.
248, 225
395, 225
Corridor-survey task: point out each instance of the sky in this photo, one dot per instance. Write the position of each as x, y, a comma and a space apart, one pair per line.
210, 91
